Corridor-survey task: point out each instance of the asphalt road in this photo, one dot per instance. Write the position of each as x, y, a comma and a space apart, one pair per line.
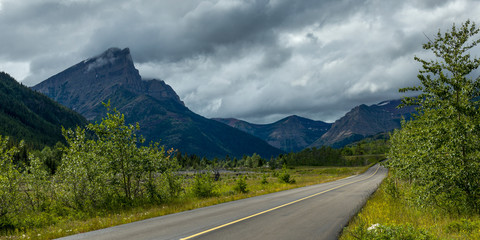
313, 212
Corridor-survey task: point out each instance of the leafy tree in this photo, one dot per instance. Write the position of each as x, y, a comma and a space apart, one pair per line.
10, 180
112, 169
38, 187
439, 151
51, 157
155, 162
119, 147
82, 179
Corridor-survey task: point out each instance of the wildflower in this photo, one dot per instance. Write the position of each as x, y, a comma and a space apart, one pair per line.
373, 227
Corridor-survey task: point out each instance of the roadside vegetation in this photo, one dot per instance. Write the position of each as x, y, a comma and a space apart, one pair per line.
433, 188
105, 175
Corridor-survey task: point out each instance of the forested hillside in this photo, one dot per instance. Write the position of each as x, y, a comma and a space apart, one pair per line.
31, 116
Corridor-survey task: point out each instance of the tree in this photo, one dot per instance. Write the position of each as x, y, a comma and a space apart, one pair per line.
439, 150
118, 142
82, 179
112, 169
10, 180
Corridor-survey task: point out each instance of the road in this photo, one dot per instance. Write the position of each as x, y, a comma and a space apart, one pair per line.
314, 212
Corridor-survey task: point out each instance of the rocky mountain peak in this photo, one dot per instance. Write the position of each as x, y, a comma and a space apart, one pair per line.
161, 91
112, 76
108, 58
363, 121
84, 86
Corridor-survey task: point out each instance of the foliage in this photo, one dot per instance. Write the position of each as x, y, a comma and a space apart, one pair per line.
57, 220
369, 150
37, 186
51, 157
103, 170
396, 211
31, 116
439, 151
462, 225
122, 158
377, 144
253, 161
112, 170
284, 176
241, 185
203, 186
83, 179
323, 156
10, 180
264, 179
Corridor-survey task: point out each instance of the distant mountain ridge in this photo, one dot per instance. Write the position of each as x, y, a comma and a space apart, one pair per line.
295, 133
31, 116
363, 121
291, 134
154, 104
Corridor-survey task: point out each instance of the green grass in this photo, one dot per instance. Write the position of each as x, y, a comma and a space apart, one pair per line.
397, 214
257, 183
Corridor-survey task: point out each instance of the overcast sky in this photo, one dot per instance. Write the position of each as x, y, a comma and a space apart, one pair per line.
255, 60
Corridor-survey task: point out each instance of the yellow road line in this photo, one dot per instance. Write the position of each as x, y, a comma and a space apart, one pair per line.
275, 208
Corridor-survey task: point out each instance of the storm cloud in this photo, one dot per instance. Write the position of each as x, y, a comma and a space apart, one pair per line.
257, 60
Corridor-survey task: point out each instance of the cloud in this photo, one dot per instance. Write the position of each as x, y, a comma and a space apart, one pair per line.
257, 60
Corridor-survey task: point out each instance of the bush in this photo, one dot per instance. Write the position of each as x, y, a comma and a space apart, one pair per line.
462, 225
285, 176
203, 186
391, 188
241, 185
264, 179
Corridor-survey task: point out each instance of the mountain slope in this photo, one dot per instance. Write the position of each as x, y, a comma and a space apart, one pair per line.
291, 134
363, 121
31, 116
158, 109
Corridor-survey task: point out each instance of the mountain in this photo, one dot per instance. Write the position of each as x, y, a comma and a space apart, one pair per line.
152, 103
31, 116
363, 121
291, 134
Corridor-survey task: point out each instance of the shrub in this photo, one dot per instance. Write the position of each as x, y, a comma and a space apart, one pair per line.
285, 177
264, 179
241, 185
203, 186
462, 225
391, 188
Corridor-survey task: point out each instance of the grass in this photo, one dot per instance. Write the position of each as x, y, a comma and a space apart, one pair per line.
257, 183
395, 213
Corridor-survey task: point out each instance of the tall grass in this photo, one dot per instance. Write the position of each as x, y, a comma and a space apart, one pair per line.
389, 212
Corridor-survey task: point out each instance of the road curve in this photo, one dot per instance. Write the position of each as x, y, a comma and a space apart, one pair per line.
314, 212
